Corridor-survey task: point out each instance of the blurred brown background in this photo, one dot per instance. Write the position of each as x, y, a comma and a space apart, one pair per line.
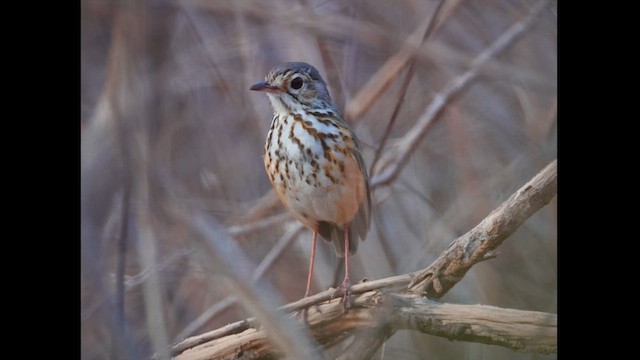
170, 129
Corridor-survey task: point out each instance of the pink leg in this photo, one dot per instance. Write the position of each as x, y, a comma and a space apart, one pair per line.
303, 312
346, 283
313, 255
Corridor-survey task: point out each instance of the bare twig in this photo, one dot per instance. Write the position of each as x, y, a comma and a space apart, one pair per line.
383, 314
230, 329
390, 282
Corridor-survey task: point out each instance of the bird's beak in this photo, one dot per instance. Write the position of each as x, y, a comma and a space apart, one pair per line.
265, 86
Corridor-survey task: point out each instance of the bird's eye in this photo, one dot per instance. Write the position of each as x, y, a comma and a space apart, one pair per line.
296, 83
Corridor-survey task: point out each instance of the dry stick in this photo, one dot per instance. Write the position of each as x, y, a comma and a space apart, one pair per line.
394, 163
376, 315
506, 218
233, 328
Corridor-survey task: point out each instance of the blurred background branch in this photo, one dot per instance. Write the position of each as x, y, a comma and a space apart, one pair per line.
170, 134
391, 166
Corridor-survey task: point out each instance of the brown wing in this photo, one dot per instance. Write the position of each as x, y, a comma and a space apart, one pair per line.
359, 225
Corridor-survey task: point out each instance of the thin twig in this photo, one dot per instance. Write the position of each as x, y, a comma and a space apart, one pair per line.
233, 328
387, 283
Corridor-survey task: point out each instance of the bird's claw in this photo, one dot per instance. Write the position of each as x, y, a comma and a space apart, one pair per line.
345, 290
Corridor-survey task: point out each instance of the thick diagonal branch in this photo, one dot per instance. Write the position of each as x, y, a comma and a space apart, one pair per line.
477, 244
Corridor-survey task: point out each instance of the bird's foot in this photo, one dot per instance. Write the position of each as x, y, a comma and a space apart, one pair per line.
345, 290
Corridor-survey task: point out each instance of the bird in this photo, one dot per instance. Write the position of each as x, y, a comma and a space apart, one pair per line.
313, 159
